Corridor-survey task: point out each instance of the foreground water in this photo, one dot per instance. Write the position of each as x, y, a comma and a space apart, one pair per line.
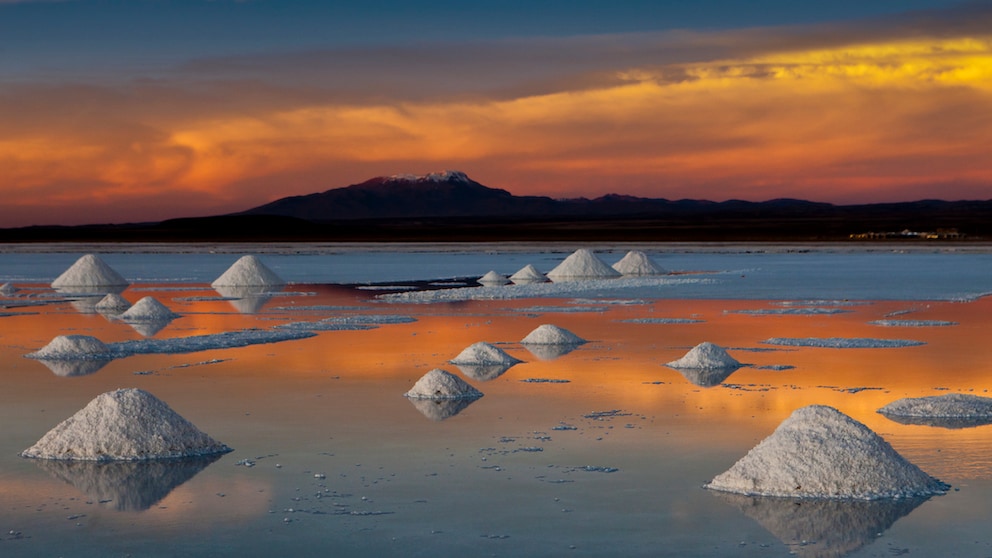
599, 451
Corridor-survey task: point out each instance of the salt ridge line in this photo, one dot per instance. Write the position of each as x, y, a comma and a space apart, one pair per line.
842, 342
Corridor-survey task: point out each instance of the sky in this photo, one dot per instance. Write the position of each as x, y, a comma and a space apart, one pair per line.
115, 111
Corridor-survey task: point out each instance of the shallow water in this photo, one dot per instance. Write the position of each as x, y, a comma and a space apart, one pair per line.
599, 451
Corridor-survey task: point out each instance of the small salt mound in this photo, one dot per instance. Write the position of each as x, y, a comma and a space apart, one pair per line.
637, 263
492, 278
124, 425
582, 264
819, 452
7, 289
440, 384
89, 271
952, 405
549, 334
706, 356
528, 274
72, 347
113, 303
248, 271
148, 309
484, 353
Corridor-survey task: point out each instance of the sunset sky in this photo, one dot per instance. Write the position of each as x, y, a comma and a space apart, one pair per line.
117, 111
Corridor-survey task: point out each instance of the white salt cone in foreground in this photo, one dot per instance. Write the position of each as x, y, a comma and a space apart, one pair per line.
528, 274
148, 309
112, 303
819, 452
636, 262
484, 353
248, 271
582, 264
550, 334
492, 278
124, 425
440, 384
89, 271
706, 356
72, 347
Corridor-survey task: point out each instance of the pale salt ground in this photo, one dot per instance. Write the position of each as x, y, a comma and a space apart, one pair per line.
483, 353
124, 425
706, 356
951, 405
89, 271
819, 452
441, 384
636, 262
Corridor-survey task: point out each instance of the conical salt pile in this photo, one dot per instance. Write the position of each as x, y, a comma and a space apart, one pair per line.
952, 405
148, 309
819, 452
7, 289
582, 264
549, 334
72, 347
246, 272
638, 263
124, 425
89, 271
484, 353
439, 384
113, 303
706, 356
528, 274
492, 279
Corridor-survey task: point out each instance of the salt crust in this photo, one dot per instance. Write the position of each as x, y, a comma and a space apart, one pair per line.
951, 405
582, 264
248, 271
89, 271
124, 425
636, 262
61, 349
528, 273
148, 309
819, 452
440, 384
484, 353
842, 342
706, 356
112, 302
493, 278
549, 334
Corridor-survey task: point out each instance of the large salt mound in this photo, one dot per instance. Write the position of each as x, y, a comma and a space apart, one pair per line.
148, 309
528, 274
952, 405
706, 356
484, 353
72, 347
7, 289
113, 303
582, 264
89, 271
549, 334
440, 384
637, 263
124, 425
819, 452
247, 272
492, 278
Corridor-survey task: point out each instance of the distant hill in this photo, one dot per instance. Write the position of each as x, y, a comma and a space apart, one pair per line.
450, 206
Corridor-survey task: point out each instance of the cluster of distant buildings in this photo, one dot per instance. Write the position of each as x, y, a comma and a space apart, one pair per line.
939, 234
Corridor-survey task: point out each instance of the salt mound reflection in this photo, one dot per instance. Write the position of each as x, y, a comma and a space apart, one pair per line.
483, 372
131, 486
823, 528
441, 409
76, 367
706, 377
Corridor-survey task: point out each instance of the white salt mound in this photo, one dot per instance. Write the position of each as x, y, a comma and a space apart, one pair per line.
493, 278
528, 273
952, 405
582, 264
124, 425
89, 271
246, 272
7, 289
637, 263
148, 309
440, 384
484, 353
112, 302
549, 334
706, 356
819, 452
72, 347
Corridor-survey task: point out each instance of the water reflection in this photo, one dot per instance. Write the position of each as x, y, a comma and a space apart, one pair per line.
148, 328
483, 372
440, 409
707, 377
955, 423
246, 299
550, 352
132, 486
73, 367
822, 528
